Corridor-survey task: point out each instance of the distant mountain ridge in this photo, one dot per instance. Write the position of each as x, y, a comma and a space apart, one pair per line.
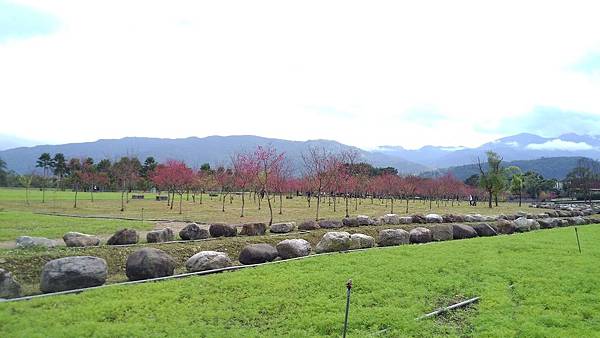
548, 167
217, 150
195, 151
517, 147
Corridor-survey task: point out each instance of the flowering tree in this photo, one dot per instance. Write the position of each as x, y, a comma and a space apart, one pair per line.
175, 177
269, 164
225, 181
244, 174
315, 172
126, 174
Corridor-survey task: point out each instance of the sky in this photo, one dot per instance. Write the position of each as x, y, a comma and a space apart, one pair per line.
365, 73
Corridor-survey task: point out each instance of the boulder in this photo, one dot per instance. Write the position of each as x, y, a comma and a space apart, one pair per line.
406, 220
124, 237
257, 253
389, 237
548, 223
282, 228
505, 227
71, 273
420, 235
334, 241
451, 218
207, 260
441, 232
308, 225
25, 242
579, 220
391, 219
291, 248
254, 229
484, 230
522, 224
418, 218
533, 224
149, 263
77, 239
433, 218
9, 287
365, 220
159, 236
461, 231
552, 213
193, 231
330, 224
564, 213
222, 230
474, 218
361, 241
350, 222
563, 223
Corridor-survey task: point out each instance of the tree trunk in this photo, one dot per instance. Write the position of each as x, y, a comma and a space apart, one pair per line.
392, 205
75, 205
347, 214
490, 199
122, 200
407, 204
180, 200
270, 209
172, 199
318, 203
223, 206
334, 202
520, 197
496, 199
243, 204
281, 203
92, 194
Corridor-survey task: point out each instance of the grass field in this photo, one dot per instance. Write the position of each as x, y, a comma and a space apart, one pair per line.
109, 204
531, 285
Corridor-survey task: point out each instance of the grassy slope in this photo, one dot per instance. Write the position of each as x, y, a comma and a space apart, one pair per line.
555, 294
21, 223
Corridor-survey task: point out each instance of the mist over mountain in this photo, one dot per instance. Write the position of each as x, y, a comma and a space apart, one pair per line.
554, 156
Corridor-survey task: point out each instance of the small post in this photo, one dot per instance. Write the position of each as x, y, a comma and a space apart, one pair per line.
577, 235
348, 288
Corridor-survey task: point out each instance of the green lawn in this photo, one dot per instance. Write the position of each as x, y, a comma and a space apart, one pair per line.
531, 285
210, 211
22, 223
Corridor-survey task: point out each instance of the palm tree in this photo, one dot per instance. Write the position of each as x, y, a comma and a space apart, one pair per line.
45, 162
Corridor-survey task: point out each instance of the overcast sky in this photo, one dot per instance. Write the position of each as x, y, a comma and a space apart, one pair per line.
364, 73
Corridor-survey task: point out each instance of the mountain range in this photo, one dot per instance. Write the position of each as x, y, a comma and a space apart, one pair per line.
217, 150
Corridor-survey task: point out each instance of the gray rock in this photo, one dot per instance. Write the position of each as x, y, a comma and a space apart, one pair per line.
207, 260
461, 231
522, 224
420, 235
149, 263
451, 218
418, 218
160, 236
257, 253
563, 223
282, 228
364, 220
579, 220
291, 248
389, 237
193, 232
391, 219
334, 241
124, 237
71, 273
361, 241
254, 229
222, 230
330, 224
434, 218
406, 220
484, 230
442, 232
9, 287
505, 227
308, 225
350, 222
547, 223
474, 218
25, 242
77, 239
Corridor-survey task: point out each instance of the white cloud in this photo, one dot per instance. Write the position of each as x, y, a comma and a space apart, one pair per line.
558, 144
512, 143
344, 70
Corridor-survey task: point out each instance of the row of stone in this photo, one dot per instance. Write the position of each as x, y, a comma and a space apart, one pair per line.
126, 236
